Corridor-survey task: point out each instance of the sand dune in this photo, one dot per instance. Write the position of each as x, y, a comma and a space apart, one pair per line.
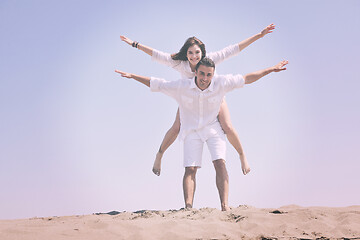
243, 222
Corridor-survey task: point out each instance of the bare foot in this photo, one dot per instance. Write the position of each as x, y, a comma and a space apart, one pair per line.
244, 164
188, 206
225, 208
157, 164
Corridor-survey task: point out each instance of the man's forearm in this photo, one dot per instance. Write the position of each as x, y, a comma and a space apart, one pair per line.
142, 79
254, 76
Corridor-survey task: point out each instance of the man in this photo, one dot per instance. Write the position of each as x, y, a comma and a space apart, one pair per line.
199, 102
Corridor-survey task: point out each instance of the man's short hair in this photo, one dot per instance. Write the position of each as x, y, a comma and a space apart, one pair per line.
206, 62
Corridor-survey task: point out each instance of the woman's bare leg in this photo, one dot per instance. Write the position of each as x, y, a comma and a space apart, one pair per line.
169, 138
232, 136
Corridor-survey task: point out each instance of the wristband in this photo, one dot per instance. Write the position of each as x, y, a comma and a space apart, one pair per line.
135, 44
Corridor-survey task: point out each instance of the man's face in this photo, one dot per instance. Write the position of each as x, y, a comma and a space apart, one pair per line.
204, 75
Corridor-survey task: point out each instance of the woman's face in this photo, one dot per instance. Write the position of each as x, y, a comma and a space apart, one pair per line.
194, 54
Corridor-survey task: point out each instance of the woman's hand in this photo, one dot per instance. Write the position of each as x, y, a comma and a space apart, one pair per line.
127, 40
268, 29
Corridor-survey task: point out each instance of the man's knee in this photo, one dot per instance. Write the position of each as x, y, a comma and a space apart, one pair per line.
219, 164
190, 171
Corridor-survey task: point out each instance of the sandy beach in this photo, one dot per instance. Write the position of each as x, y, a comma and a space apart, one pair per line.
243, 222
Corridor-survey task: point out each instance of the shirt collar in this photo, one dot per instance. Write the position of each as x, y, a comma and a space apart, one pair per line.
210, 88
193, 84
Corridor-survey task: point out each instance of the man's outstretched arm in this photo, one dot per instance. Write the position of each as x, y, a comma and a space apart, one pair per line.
254, 76
142, 79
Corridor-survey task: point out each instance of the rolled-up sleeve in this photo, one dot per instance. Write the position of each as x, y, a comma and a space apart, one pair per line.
155, 84
224, 54
231, 82
163, 58
169, 88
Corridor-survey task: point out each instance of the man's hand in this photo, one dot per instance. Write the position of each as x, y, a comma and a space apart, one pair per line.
268, 29
254, 76
127, 40
124, 74
280, 66
142, 79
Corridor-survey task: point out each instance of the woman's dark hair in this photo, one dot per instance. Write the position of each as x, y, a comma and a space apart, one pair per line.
207, 62
182, 54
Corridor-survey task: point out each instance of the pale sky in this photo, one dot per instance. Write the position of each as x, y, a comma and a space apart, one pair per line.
76, 138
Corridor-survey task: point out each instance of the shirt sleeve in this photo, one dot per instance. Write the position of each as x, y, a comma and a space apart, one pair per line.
230, 82
164, 58
169, 88
224, 54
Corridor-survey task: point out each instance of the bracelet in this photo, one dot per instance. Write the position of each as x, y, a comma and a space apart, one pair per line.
135, 44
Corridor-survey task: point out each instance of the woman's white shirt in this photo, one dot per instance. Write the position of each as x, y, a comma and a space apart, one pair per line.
183, 67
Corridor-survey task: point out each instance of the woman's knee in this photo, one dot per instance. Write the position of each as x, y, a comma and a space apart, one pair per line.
176, 125
175, 128
224, 119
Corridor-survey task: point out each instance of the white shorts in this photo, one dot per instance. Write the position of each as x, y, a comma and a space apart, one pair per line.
193, 148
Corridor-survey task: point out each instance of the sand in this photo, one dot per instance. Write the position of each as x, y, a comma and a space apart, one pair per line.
243, 222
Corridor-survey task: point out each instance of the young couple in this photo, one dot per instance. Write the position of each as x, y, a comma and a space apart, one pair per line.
202, 115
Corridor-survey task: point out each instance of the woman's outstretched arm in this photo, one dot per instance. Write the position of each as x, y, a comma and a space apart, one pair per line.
235, 49
156, 55
142, 47
250, 40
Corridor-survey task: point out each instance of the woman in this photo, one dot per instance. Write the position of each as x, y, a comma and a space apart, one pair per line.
184, 62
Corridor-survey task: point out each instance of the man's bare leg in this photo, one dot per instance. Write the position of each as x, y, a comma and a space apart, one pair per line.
169, 138
222, 183
232, 136
189, 185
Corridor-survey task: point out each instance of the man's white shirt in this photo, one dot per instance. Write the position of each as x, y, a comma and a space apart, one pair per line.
198, 109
